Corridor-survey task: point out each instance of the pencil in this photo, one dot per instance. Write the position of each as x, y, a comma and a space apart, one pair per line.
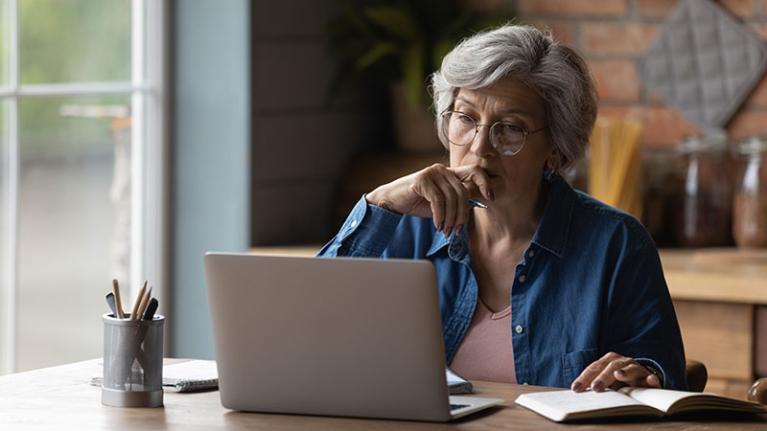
118, 301
134, 312
145, 302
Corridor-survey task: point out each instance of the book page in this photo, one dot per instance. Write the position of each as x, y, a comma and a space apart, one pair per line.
679, 401
560, 405
661, 399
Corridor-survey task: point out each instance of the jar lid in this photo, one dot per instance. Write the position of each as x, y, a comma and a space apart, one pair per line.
711, 140
753, 145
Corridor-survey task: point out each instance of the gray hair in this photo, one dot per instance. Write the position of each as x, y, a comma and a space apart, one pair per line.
556, 72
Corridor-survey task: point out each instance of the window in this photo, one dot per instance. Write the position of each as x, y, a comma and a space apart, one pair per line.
81, 169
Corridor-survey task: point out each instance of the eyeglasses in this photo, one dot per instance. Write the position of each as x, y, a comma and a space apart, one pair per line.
508, 139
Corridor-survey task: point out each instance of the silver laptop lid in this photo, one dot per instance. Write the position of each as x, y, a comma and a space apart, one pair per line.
348, 337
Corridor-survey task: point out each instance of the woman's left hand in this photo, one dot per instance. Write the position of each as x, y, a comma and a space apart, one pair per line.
614, 371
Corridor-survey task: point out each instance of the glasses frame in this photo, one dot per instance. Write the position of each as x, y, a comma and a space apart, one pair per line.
445, 125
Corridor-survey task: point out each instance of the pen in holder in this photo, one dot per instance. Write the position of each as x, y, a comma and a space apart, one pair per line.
132, 362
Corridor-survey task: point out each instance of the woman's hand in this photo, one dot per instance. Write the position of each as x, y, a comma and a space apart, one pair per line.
614, 371
438, 191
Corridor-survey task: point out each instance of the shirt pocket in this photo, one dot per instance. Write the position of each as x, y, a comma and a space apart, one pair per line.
573, 363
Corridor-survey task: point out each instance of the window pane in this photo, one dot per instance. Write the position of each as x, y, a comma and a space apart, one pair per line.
5, 39
74, 208
75, 40
4, 240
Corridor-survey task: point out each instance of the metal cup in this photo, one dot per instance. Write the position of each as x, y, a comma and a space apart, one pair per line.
132, 362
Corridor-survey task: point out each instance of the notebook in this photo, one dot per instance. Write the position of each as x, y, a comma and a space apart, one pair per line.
457, 384
191, 376
560, 406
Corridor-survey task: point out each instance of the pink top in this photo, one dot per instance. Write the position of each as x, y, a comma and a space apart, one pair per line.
486, 351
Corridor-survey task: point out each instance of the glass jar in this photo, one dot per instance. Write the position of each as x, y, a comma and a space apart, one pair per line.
704, 204
750, 208
658, 175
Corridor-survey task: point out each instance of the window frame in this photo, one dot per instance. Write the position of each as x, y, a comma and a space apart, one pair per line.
149, 158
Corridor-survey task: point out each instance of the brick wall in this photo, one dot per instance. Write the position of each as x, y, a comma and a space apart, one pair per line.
613, 35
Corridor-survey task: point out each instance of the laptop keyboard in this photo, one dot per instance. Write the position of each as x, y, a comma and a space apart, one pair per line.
454, 407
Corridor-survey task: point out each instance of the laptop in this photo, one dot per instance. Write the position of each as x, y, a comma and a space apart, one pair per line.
333, 337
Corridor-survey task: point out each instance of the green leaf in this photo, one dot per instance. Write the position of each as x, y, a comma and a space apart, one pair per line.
413, 74
394, 21
351, 16
378, 51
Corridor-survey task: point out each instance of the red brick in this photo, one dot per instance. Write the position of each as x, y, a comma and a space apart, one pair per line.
573, 7
758, 97
660, 126
601, 38
616, 80
739, 8
566, 32
747, 123
653, 99
656, 8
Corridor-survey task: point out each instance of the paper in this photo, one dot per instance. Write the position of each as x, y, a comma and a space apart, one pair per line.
453, 378
571, 402
456, 384
196, 370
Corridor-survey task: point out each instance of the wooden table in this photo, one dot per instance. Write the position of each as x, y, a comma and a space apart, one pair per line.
61, 398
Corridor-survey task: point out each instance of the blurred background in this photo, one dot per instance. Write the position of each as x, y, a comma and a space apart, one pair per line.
137, 134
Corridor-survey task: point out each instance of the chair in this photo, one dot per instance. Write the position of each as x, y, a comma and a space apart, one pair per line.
758, 391
697, 377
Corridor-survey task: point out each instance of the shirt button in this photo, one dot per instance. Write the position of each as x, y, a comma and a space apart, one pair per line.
522, 278
354, 223
519, 329
531, 253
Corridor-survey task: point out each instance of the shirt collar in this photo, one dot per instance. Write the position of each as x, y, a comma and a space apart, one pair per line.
554, 228
458, 247
552, 231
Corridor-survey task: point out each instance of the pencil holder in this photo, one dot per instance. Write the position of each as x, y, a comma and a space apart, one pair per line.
132, 362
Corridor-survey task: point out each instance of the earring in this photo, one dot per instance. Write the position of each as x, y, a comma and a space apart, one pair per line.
553, 162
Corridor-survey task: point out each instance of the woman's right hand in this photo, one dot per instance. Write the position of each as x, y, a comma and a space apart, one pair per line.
439, 192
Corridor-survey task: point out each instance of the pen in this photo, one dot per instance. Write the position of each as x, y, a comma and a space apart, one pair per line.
476, 204
150, 309
111, 303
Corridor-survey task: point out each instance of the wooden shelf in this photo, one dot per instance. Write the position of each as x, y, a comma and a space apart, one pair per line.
721, 275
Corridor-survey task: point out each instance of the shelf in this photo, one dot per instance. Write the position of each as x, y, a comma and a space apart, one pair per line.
717, 274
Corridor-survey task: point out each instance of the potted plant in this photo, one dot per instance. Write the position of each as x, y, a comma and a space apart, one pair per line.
401, 42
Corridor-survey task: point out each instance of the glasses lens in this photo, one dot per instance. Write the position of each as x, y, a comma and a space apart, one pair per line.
459, 128
507, 139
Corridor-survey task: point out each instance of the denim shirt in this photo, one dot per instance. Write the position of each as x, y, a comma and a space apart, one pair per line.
590, 282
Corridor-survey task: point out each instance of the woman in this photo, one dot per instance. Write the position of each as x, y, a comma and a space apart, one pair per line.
538, 283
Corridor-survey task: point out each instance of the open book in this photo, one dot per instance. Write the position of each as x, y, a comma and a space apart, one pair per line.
568, 405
